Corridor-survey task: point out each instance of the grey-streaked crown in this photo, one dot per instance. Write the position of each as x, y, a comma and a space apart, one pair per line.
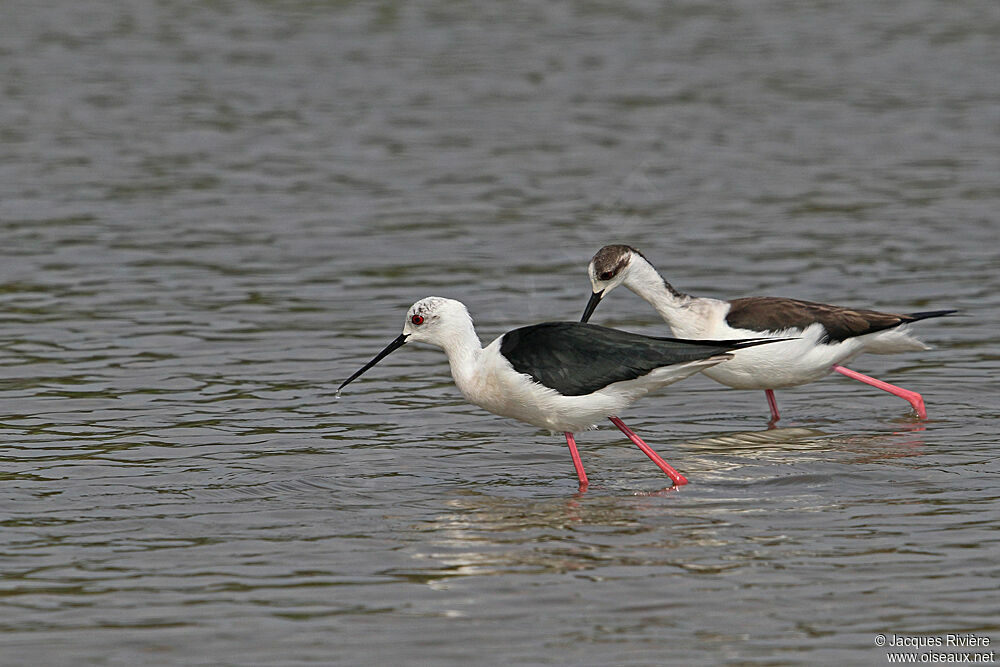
611, 259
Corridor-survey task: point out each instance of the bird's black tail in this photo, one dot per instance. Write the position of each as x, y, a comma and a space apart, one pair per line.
735, 344
913, 317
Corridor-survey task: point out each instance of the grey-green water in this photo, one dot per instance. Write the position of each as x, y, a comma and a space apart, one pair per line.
212, 213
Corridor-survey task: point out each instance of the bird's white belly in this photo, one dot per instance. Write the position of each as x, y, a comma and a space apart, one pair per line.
771, 371
784, 364
502, 391
547, 409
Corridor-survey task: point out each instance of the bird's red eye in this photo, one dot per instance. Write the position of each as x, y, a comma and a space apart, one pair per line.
607, 275
417, 319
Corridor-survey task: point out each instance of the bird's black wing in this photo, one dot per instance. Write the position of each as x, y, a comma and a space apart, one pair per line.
575, 358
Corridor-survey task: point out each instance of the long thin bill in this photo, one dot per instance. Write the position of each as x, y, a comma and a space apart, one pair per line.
394, 345
595, 299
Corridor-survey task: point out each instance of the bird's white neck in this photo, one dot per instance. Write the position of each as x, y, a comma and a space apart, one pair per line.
463, 347
650, 286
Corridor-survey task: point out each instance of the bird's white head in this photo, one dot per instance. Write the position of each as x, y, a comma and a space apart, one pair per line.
435, 320
442, 322
609, 268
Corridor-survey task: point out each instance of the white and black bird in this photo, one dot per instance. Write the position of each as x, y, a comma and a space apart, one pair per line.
560, 376
825, 336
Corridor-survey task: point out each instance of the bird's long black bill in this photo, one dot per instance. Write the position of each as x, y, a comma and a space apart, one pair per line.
394, 345
595, 299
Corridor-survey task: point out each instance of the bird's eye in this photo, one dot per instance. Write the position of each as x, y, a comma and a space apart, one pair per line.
607, 275
417, 319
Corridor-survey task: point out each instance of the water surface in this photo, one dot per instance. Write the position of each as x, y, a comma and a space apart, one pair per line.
212, 215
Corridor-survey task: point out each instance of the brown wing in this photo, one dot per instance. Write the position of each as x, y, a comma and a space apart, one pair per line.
769, 313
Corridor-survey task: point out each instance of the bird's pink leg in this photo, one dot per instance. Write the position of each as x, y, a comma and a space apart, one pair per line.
773, 404
577, 463
677, 478
912, 397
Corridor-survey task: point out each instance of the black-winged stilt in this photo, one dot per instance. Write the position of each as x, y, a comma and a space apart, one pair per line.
560, 376
825, 336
